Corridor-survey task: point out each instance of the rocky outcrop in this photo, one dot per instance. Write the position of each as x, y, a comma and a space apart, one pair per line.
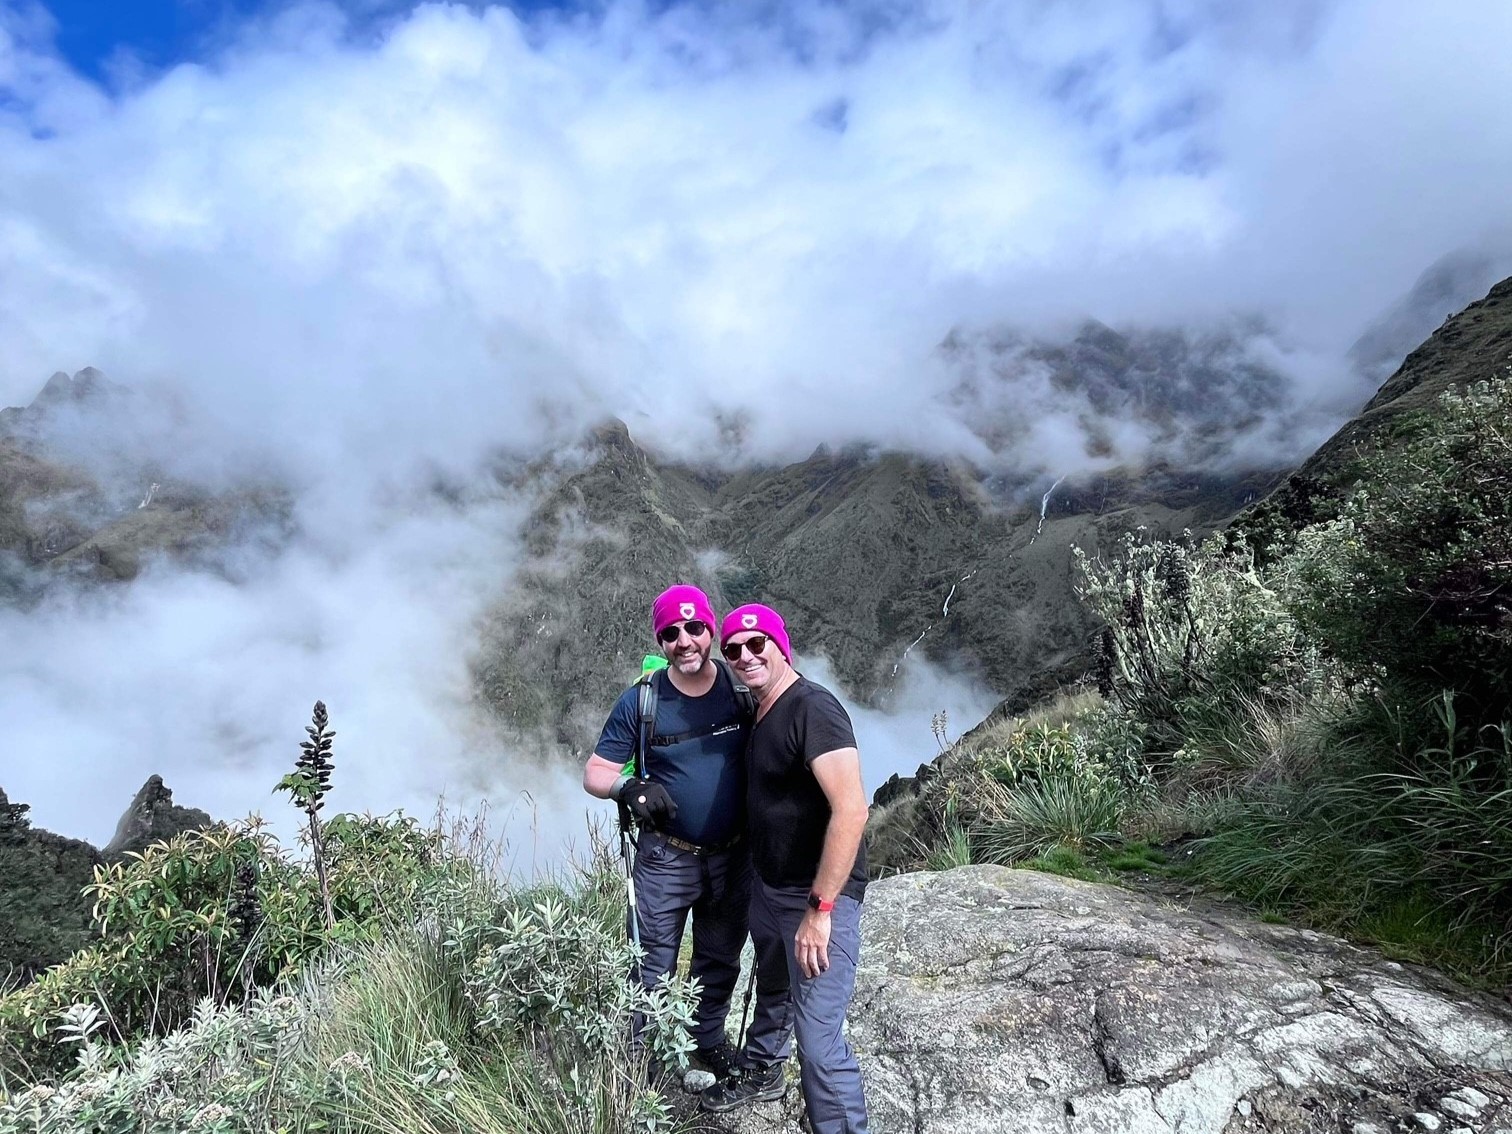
153, 817
991, 999
44, 910
43, 914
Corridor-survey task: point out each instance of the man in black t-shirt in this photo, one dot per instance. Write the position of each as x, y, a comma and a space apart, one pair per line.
807, 812
689, 801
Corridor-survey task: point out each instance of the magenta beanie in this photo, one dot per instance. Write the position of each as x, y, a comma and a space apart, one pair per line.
754, 616
678, 604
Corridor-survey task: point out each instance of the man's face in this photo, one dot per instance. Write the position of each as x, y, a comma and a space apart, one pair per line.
686, 644
759, 661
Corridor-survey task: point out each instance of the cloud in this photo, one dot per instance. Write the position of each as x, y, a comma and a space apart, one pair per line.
210, 682
435, 229
367, 246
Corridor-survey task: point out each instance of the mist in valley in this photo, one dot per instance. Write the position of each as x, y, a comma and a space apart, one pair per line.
382, 258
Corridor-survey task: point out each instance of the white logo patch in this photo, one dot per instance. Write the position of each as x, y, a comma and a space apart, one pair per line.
687, 610
749, 621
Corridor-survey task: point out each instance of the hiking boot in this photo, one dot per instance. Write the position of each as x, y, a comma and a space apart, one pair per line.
754, 1084
721, 1060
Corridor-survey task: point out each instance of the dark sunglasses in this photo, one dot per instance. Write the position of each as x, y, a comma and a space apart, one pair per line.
756, 643
696, 628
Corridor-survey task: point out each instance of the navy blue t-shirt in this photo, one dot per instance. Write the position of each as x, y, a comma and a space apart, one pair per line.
703, 766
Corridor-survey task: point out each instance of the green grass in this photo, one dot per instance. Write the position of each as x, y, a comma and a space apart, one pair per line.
1136, 855
1067, 862
952, 851
1036, 816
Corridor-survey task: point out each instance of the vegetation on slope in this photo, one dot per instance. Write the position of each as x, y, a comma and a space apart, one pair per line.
392, 983
1326, 733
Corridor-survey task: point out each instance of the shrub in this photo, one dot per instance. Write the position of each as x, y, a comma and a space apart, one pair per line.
1411, 587
1189, 630
1054, 786
213, 914
489, 1012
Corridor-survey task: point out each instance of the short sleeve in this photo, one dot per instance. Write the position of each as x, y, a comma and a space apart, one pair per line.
622, 730
823, 725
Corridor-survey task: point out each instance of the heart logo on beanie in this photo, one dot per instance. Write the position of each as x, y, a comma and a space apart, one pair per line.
748, 621
687, 610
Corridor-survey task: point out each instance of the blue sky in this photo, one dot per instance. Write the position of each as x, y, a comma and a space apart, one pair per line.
92, 34
98, 36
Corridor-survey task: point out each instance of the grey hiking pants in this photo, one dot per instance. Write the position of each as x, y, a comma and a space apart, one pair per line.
671, 883
830, 1075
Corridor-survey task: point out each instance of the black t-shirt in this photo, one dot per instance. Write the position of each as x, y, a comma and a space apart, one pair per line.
788, 813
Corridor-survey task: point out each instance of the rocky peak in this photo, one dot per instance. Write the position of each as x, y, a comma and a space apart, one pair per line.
86, 388
13, 820
86, 384
153, 817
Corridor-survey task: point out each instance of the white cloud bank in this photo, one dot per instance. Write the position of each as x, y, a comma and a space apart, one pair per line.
449, 227
209, 682
364, 246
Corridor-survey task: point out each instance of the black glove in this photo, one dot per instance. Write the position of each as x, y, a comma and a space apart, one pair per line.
647, 801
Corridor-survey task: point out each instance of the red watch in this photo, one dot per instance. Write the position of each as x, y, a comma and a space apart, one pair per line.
817, 903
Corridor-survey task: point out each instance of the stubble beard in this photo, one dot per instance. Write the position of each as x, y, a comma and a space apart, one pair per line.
692, 665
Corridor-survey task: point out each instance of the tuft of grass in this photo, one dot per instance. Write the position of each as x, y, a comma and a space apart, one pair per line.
953, 850
1075, 812
1136, 855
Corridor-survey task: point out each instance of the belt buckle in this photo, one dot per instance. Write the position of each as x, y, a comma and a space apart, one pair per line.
703, 852
683, 844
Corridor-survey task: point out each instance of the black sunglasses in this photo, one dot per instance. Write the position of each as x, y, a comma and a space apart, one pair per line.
756, 643
696, 628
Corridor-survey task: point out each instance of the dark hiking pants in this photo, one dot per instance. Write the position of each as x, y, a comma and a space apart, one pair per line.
671, 883
830, 1075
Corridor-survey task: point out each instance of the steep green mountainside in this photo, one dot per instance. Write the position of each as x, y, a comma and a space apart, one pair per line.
1475, 344
870, 556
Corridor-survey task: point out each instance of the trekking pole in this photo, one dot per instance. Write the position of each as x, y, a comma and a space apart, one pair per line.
647, 714
745, 1008
627, 855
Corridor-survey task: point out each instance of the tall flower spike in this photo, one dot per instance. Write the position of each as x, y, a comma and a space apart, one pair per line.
315, 757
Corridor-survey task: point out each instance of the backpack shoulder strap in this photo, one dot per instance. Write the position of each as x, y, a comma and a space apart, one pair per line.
647, 686
744, 698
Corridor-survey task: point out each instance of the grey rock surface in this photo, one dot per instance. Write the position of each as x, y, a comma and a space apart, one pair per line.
991, 999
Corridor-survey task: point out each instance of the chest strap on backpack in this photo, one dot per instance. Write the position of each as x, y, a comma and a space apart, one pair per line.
745, 704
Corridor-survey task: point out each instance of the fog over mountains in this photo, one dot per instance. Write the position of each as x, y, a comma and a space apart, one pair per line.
472, 629
363, 269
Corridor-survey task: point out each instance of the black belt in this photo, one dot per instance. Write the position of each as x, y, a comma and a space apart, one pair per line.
694, 848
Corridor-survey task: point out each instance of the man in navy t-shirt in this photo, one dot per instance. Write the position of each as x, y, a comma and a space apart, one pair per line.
807, 811
689, 801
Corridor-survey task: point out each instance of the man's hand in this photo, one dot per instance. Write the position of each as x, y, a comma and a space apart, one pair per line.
811, 943
647, 801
